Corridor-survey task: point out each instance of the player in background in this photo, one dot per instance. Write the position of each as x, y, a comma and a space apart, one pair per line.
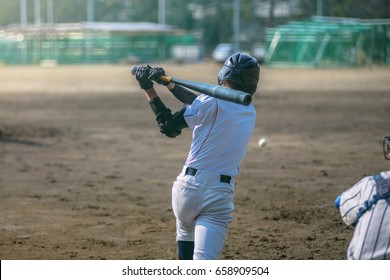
202, 195
366, 206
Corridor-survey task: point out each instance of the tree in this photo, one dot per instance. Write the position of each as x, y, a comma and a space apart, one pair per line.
365, 9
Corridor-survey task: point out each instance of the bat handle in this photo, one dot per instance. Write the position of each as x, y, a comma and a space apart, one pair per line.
134, 69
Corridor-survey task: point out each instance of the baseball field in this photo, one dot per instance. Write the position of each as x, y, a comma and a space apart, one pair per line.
86, 174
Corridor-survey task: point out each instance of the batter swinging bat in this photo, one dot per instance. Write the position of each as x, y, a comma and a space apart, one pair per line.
216, 91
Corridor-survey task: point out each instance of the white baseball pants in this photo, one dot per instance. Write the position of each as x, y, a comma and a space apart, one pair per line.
202, 206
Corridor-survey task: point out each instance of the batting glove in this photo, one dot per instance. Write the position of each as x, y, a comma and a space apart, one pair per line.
142, 76
155, 73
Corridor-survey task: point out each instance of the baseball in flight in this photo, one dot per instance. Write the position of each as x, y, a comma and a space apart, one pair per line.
263, 142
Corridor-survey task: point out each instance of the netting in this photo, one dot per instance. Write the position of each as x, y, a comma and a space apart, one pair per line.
86, 46
329, 42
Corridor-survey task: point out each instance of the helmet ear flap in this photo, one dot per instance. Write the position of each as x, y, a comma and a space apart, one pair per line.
223, 73
251, 84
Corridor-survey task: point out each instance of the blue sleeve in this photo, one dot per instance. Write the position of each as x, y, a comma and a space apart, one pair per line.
337, 201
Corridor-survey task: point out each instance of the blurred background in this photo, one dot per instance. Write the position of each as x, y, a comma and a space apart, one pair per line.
313, 33
85, 172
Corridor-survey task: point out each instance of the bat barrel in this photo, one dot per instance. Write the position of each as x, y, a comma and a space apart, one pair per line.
247, 99
216, 91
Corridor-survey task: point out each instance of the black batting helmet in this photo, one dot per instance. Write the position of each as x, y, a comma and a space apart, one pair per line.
241, 69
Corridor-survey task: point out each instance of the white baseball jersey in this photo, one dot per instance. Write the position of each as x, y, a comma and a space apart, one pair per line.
221, 132
202, 203
371, 239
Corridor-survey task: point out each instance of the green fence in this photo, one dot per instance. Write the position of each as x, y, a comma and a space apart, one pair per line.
86, 46
329, 42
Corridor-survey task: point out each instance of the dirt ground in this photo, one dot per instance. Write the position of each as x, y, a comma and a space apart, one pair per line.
85, 173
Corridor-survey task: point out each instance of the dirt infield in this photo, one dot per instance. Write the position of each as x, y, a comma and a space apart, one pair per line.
85, 173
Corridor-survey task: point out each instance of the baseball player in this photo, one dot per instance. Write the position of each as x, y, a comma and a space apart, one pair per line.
366, 206
202, 195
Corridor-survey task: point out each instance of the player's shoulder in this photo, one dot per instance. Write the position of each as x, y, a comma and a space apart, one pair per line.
366, 184
205, 101
374, 177
201, 105
367, 180
357, 189
204, 98
385, 174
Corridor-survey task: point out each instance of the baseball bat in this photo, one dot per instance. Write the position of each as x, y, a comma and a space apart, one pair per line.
216, 91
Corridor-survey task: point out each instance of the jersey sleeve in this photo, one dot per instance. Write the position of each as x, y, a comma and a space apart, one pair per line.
196, 113
350, 202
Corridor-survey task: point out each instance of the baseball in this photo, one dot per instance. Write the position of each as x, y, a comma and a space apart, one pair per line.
263, 142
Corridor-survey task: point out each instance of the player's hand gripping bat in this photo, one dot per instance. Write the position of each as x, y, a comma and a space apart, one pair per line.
216, 91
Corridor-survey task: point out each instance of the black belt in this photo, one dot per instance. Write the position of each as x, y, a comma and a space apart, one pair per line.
223, 178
